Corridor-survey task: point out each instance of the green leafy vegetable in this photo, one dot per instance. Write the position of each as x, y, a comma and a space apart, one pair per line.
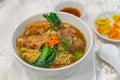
46, 58
53, 18
43, 56
78, 55
64, 43
51, 58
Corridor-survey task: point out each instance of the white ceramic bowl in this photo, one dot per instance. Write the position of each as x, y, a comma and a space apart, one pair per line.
74, 4
36, 72
109, 15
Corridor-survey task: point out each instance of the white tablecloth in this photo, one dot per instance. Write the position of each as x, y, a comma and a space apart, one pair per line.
13, 12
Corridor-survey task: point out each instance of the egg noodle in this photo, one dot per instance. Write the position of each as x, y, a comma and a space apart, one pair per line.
63, 58
28, 55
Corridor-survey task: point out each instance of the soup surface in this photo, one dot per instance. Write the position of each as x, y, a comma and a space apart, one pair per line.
48, 46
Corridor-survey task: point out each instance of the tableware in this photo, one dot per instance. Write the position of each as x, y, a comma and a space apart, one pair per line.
106, 15
17, 71
111, 54
71, 4
57, 72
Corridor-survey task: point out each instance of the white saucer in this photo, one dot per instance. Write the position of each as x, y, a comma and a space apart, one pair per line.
86, 71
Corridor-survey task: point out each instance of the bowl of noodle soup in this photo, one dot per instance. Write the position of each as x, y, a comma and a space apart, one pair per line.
50, 44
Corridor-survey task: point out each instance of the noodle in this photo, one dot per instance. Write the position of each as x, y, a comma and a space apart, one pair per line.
28, 55
63, 58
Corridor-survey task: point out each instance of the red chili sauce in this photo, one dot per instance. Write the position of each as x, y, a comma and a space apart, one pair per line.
71, 10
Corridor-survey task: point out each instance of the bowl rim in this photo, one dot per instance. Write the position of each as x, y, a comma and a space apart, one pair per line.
56, 8
54, 69
100, 35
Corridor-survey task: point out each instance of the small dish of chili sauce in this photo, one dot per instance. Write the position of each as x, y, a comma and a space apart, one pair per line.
72, 7
71, 10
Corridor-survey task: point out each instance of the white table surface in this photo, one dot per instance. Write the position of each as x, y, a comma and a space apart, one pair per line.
13, 12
